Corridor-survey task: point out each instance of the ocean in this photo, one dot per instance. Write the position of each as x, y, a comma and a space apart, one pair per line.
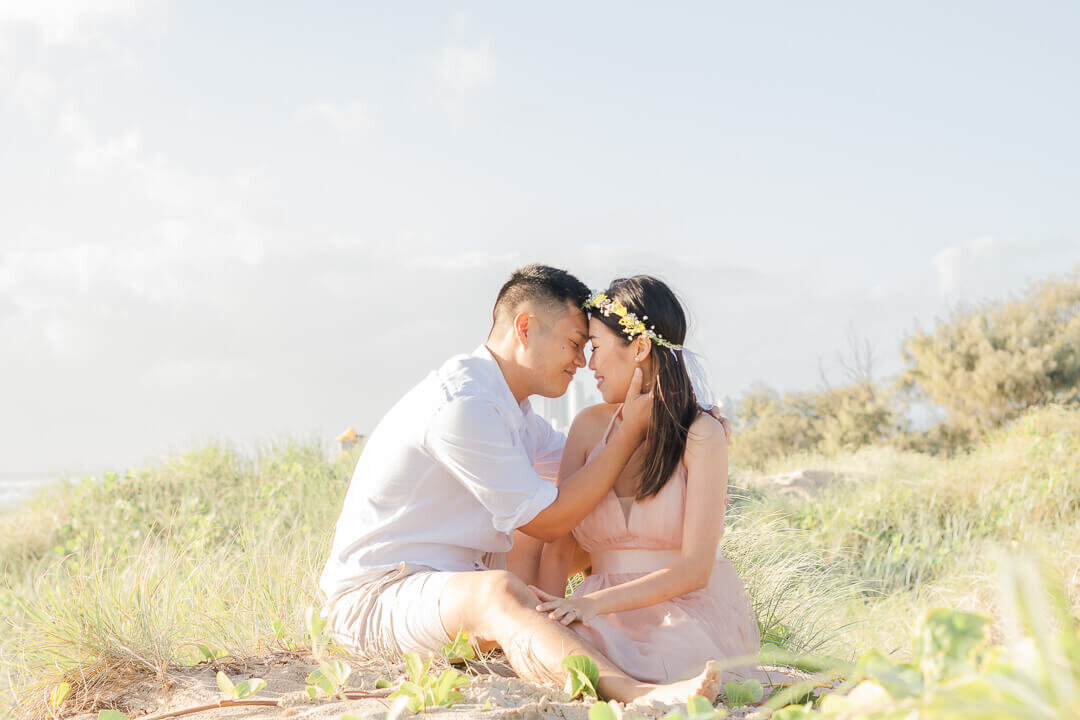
18, 487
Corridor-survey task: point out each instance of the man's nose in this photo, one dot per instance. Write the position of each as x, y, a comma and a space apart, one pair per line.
579, 359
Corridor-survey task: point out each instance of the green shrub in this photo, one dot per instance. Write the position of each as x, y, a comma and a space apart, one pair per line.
987, 364
830, 421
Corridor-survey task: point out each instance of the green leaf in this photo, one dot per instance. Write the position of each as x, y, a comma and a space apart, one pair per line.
319, 679
59, 694
337, 671
382, 683
316, 625
443, 691
582, 676
112, 715
459, 648
602, 711
947, 641
699, 708
312, 691
414, 693
209, 653
228, 690
743, 693
416, 668
771, 654
349, 716
249, 687
409, 689
279, 630
900, 680
794, 712
798, 693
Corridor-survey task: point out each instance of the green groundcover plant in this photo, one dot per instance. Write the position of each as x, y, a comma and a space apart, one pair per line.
212, 557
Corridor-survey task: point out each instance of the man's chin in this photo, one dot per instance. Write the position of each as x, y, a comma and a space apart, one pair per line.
555, 391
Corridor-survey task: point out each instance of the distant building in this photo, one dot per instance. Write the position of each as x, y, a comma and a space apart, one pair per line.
561, 411
349, 439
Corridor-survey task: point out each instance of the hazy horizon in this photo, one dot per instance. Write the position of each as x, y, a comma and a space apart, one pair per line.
250, 222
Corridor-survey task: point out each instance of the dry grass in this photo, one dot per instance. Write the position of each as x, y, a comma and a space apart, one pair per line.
107, 582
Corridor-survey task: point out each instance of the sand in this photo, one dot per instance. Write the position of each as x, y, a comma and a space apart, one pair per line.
494, 694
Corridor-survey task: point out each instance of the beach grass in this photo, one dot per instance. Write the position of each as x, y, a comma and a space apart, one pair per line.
217, 553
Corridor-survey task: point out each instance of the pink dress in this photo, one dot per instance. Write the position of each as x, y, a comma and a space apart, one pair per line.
671, 640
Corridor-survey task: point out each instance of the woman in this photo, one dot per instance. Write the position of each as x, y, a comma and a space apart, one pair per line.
660, 601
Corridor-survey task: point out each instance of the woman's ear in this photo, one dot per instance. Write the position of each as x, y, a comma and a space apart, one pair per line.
642, 348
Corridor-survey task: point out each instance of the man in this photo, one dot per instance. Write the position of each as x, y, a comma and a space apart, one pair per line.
451, 472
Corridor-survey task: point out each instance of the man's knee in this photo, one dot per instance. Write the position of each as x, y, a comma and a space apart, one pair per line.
473, 599
505, 590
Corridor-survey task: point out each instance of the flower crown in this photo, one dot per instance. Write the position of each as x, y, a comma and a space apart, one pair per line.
629, 321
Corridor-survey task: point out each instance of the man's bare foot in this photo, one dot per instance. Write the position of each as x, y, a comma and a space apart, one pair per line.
707, 685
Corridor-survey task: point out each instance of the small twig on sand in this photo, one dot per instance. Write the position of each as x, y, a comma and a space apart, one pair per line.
212, 706
349, 695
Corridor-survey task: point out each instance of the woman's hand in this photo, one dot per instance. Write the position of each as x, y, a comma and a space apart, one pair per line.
565, 610
637, 407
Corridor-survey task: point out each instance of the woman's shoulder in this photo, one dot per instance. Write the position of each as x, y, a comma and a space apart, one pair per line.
709, 430
590, 423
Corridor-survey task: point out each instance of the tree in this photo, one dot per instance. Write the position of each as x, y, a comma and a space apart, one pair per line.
987, 364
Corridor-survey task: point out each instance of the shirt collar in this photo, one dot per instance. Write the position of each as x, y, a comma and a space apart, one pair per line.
518, 412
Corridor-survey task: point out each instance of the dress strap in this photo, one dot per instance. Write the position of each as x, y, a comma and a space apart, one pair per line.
611, 424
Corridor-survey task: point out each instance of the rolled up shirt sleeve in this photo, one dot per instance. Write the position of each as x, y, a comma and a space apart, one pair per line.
549, 451
473, 442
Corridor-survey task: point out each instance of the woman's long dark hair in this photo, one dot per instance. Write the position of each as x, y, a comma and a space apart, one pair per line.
674, 406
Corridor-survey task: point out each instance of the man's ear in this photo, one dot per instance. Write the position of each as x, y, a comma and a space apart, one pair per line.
521, 328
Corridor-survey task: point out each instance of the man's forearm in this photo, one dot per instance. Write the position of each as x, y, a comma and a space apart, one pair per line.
581, 492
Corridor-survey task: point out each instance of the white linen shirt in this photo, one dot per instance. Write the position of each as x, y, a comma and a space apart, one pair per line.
447, 476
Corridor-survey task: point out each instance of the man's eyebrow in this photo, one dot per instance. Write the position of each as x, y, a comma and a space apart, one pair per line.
581, 334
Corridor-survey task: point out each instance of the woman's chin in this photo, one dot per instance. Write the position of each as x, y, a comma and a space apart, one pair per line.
612, 397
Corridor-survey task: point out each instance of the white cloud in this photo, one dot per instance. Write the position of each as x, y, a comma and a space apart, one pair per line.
954, 261
352, 118
462, 69
66, 21
29, 88
992, 266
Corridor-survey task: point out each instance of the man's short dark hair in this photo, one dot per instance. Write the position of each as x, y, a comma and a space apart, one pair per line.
539, 283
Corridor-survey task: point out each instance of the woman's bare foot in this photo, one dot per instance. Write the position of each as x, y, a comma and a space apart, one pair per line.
707, 685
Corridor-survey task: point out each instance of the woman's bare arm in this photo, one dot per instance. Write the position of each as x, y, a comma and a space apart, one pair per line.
557, 560
706, 496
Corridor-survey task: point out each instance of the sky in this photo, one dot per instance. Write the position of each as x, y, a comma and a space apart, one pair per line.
246, 222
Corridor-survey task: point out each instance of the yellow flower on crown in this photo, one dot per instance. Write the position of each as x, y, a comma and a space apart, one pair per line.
630, 323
